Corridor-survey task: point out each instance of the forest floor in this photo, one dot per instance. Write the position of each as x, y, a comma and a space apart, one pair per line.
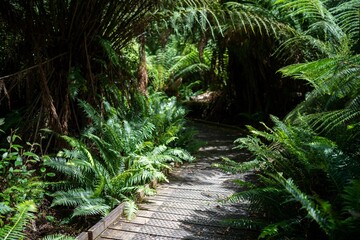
190, 206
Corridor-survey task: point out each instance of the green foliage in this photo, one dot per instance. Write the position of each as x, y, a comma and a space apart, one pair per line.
175, 64
301, 176
15, 229
22, 188
58, 237
308, 165
130, 209
120, 152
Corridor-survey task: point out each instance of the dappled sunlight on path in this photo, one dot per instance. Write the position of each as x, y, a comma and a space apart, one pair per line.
189, 206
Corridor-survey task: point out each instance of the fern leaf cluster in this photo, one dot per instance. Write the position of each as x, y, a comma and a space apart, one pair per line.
24, 213
118, 154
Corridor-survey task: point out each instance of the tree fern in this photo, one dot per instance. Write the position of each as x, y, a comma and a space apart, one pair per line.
348, 17
335, 79
249, 18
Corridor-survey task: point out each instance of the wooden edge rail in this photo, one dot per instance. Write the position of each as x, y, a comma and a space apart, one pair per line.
99, 227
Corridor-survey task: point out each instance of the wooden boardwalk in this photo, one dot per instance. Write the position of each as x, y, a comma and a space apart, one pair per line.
189, 206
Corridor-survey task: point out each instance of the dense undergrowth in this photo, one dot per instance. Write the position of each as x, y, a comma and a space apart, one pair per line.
308, 164
119, 152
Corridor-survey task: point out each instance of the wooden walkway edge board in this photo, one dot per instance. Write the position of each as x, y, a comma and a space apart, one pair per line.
191, 206
103, 224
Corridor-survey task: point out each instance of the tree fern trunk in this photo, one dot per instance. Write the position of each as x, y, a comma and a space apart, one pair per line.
143, 79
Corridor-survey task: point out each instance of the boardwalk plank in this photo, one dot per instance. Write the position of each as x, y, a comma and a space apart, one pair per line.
189, 206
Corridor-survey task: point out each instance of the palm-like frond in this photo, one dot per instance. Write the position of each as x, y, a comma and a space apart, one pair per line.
91, 208
334, 79
244, 223
249, 18
85, 202
318, 15
348, 17
183, 20
316, 31
229, 165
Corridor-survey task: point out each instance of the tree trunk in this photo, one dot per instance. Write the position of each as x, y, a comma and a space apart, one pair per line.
143, 79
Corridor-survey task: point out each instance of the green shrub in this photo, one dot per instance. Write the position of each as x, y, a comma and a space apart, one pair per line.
307, 185
121, 150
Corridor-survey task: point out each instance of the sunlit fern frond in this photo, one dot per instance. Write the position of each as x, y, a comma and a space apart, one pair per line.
255, 195
130, 209
336, 82
249, 18
244, 223
76, 169
72, 198
91, 208
15, 230
229, 165
317, 13
337, 76
83, 201
348, 17
187, 64
184, 20
317, 31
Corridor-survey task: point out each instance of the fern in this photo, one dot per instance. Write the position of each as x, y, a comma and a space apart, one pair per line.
58, 237
348, 17
118, 153
15, 230
5, 209
325, 221
91, 208
130, 209
229, 165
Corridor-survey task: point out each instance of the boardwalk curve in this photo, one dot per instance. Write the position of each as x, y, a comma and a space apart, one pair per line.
188, 206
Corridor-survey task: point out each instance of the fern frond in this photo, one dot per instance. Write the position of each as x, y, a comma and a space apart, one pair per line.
255, 195
5, 209
351, 196
249, 18
274, 230
58, 237
91, 208
24, 213
72, 198
130, 209
229, 165
326, 222
348, 17
76, 169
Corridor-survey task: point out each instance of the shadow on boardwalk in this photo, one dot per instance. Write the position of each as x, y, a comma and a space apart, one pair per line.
189, 206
